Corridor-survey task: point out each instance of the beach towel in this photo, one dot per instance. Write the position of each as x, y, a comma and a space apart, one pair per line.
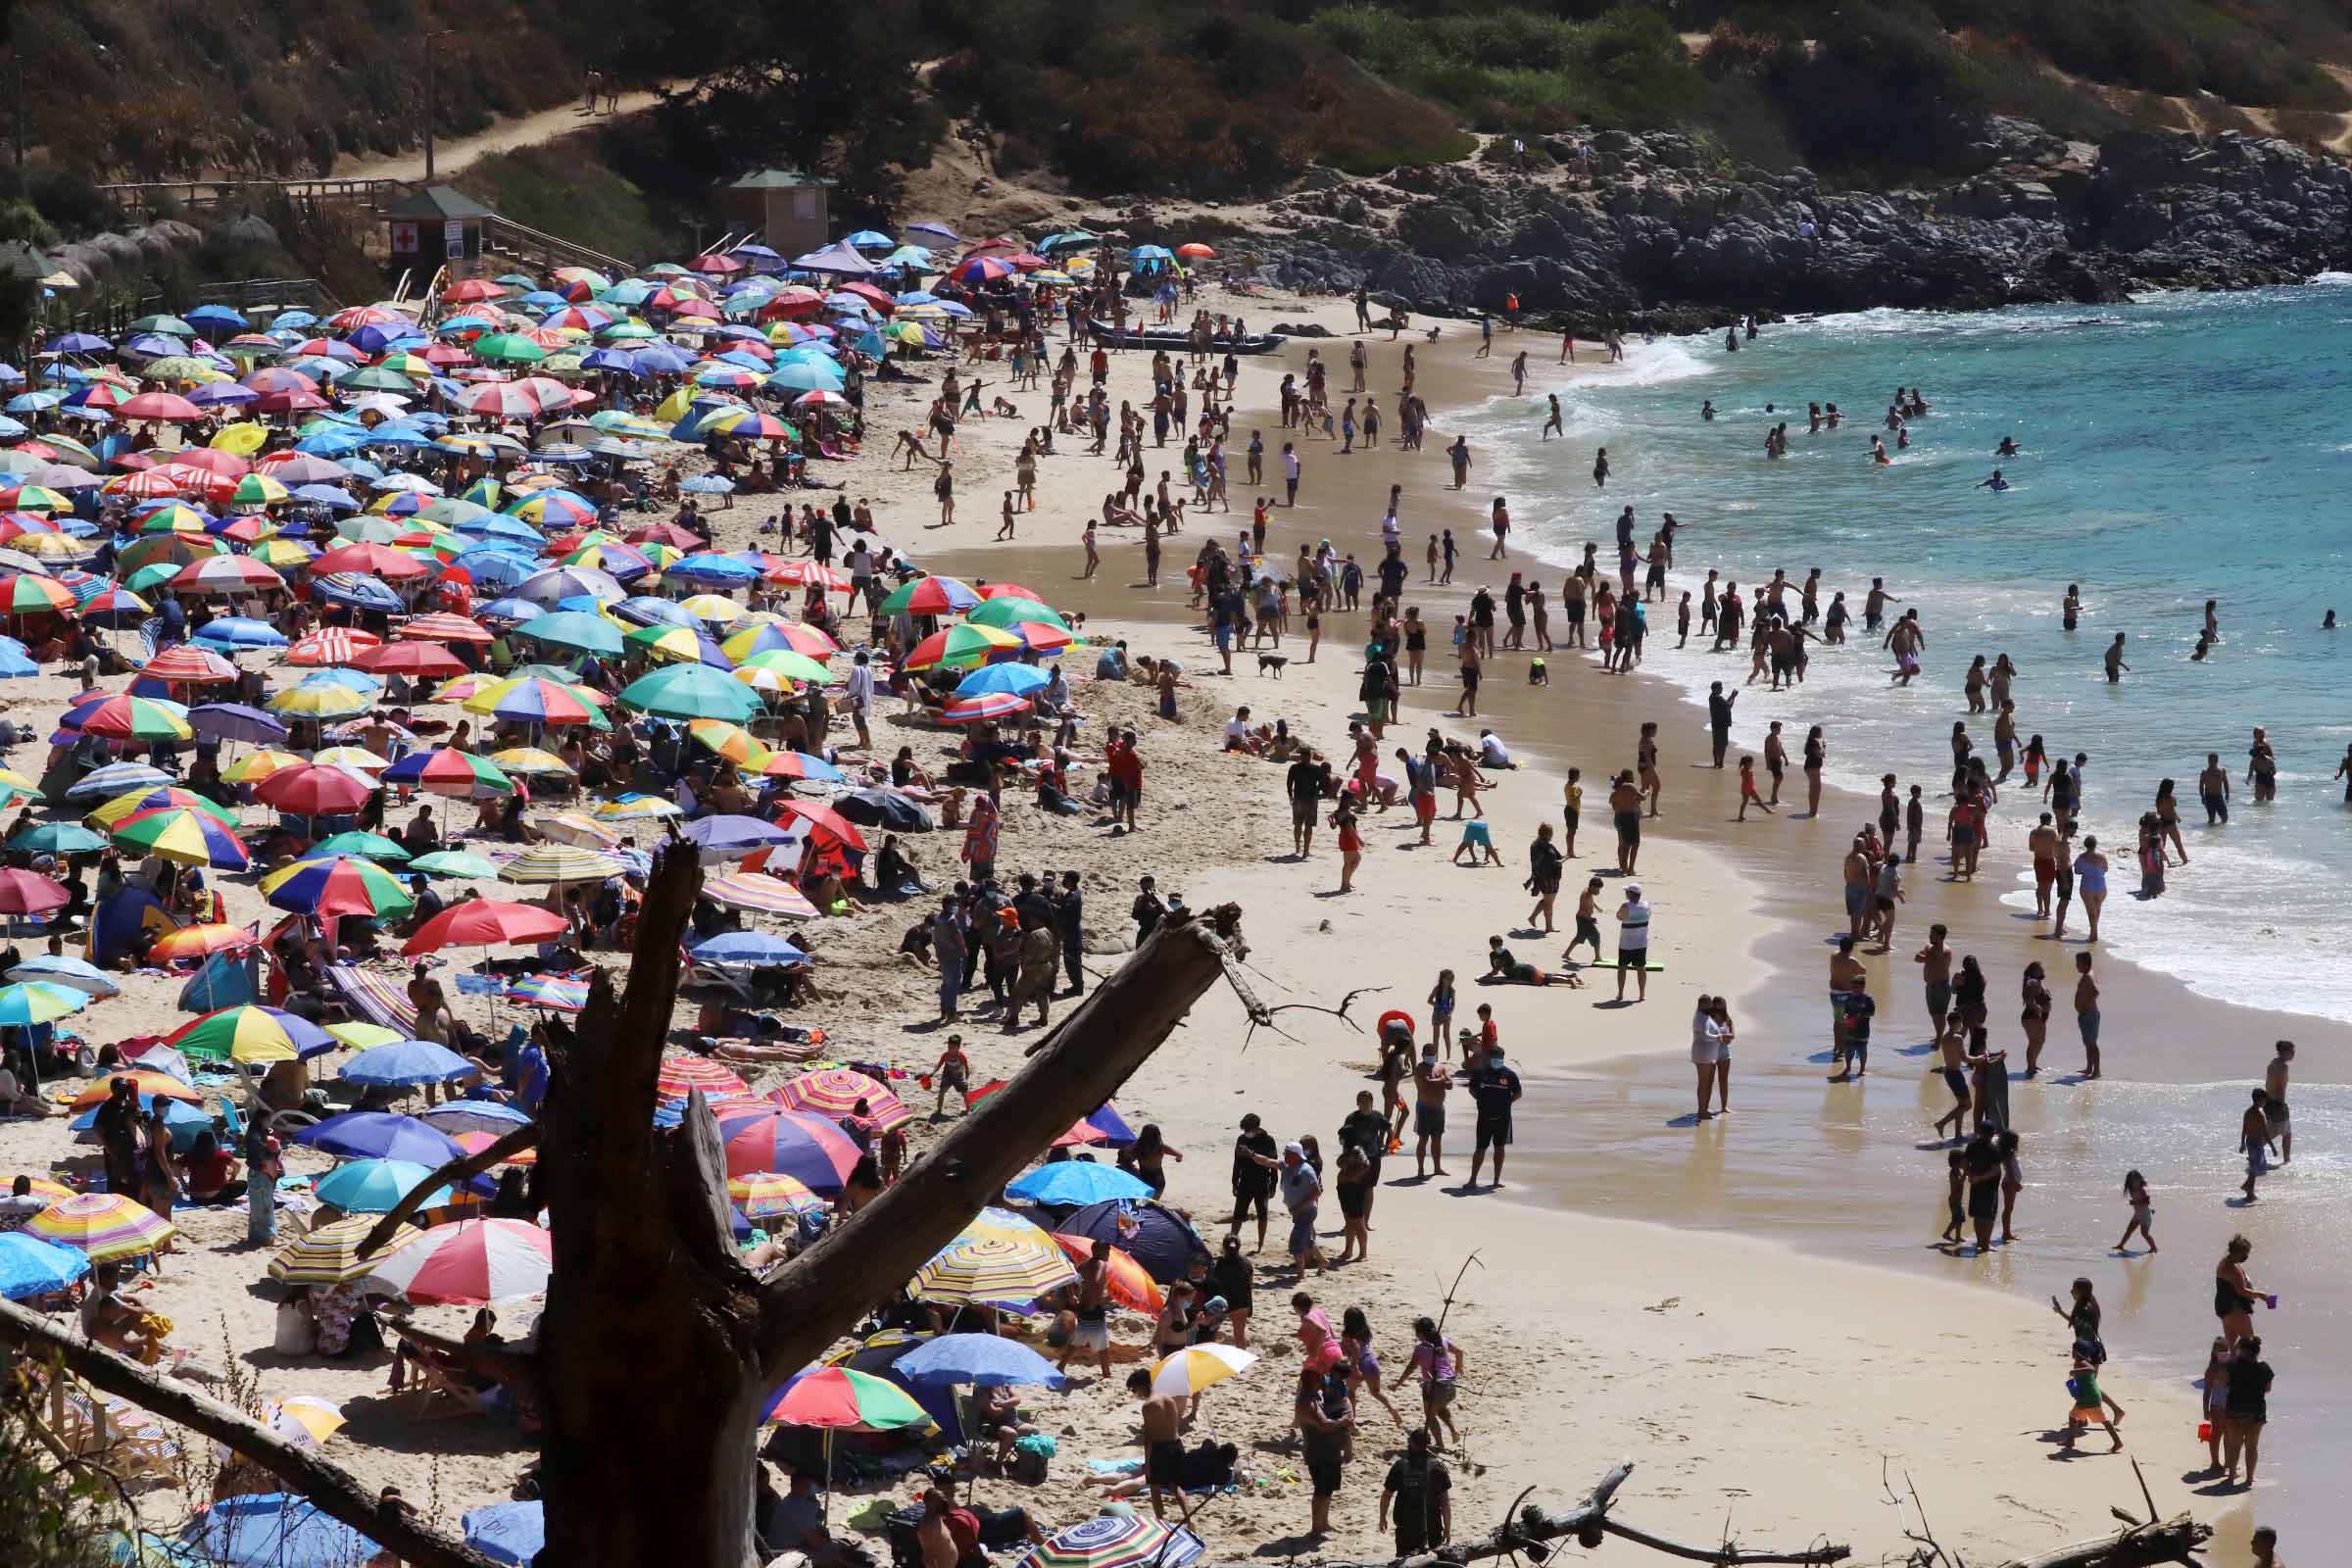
380, 999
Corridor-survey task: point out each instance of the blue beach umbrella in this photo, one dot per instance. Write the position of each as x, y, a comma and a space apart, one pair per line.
31, 1266
508, 1531
375, 1134
1017, 681
273, 1530
746, 948
1076, 1182
404, 1063
983, 1361
374, 1186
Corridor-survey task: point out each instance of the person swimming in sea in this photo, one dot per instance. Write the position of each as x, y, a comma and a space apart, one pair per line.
1996, 484
1878, 452
1706, 409
2327, 621
2007, 449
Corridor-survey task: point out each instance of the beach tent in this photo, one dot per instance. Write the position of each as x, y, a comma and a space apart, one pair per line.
226, 980
117, 925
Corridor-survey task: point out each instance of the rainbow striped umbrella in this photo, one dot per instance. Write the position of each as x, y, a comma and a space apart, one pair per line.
101, 1226
678, 645
189, 666
731, 741
554, 863
144, 719
187, 836
331, 1254
259, 766
251, 1032
445, 770
930, 596
637, 808
132, 803
342, 886
837, 1090
33, 1002
554, 992
531, 700
768, 1194
961, 644
837, 1398
682, 1073
784, 663
1110, 1540
773, 634
765, 893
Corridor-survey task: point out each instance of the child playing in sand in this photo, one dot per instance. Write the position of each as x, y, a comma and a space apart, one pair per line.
1747, 790
2091, 1403
1957, 1163
2143, 1211
1537, 673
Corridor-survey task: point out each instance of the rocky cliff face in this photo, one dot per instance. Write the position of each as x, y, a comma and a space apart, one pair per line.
1635, 228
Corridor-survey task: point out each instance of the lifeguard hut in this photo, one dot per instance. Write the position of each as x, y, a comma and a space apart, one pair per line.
434, 226
788, 209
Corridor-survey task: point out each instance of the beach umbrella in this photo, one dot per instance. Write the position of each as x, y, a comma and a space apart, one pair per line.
690, 692
800, 764
485, 923
405, 1062
983, 1361
325, 699
963, 644
768, 1194
259, 766
411, 660
839, 1400
747, 948
556, 863
1199, 1366
314, 790
837, 1090
31, 1266
375, 1134
360, 593
508, 1531
633, 807
189, 666
1115, 1541
1007, 611
453, 862
272, 1530
1076, 1182
226, 574
443, 627
471, 1263
192, 942
576, 630
364, 846
682, 1073
553, 992
374, 1186
764, 894
457, 1116
238, 632
1126, 1281
1154, 1235
982, 710
786, 636
824, 819
101, 1226
147, 1083
251, 1032
331, 1254
126, 718
782, 664
35, 1001
1003, 680
532, 700
976, 1270
725, 837
335, 645
62, 969
234, 722
812, 1149
445, 770
28, 892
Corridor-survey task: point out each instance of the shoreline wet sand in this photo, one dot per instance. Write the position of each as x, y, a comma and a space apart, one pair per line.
1850, 1172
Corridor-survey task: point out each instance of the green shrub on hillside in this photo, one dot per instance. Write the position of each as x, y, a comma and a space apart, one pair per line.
1514, 69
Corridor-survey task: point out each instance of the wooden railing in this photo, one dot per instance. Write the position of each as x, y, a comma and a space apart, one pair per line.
506, 237
149, 196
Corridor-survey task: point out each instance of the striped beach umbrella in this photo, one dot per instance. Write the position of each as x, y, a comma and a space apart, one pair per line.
126, 718
226, 574
637, 808
683, 1072
531, 700
251, 1032
188, 837
771, 1195
146, 1082
101, 1226
973, 1270
314, 790
189, 666
961, 645
35, 1001
731, 741
331, 1254
553, 993
837, 1092
763, 893
544, 865
443, 627
323, 701
445, 770
790, 636
353, 886
767, 1137
836, 1399
336, 645
1199, 1366
1110, 1540
255, 767
930, 596
471, 1263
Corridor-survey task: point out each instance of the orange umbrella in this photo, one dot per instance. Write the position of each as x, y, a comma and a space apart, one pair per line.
202, 940
1125, 1281
150, 1082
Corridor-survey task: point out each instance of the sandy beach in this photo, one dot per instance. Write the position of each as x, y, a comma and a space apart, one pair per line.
1746, 1308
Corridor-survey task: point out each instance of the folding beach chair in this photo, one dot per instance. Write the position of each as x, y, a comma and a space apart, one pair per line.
380, 999
112, 1430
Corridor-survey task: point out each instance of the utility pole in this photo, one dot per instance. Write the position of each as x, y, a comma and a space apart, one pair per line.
432, 103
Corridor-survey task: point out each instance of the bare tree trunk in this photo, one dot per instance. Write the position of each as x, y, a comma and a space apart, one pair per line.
2165, 1541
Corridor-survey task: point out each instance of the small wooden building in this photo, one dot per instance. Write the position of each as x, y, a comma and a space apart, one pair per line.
786, 209
434, 226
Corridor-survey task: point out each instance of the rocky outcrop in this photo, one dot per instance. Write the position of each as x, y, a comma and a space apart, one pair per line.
1640, 229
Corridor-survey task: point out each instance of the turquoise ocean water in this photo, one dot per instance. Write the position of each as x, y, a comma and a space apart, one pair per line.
2177, 448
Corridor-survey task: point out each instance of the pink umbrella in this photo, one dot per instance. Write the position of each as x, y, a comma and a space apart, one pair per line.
24, 893
159, 406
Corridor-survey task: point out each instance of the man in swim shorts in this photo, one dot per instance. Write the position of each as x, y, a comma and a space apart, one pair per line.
1433, 1080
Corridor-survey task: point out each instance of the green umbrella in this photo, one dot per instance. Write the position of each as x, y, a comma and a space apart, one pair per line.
575, 629
453, 863
1008, 612
366, 845
791, 666
168, 325
376, 378
691, 690
508, 347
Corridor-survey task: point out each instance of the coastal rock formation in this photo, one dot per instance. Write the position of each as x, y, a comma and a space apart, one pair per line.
1642, 229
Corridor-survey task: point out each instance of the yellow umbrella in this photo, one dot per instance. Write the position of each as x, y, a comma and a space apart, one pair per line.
320, 702
360, 1035
260, 765
731, 741
717, 608
572, 827
241, 440
530, 760
351, 757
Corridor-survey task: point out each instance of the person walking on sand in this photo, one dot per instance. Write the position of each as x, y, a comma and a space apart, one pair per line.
1633, 944
1436, 1364
1588, 922
2093, 1406
2144, 1212
1466, 706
